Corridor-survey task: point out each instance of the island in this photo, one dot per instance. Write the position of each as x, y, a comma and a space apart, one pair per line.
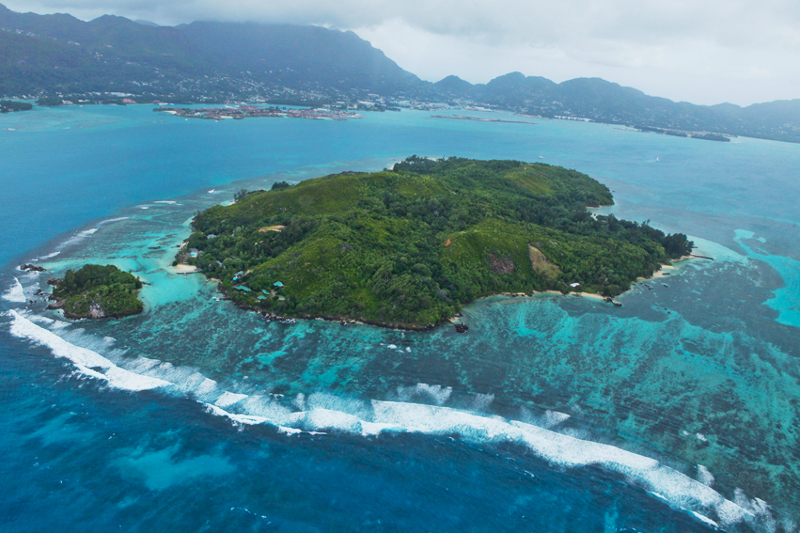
249, 111
708, 136
482, 119
409, 246
96, 291
9, 106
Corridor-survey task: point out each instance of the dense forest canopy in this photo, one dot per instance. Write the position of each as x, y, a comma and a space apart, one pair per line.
7, 106
411, 245
96, 291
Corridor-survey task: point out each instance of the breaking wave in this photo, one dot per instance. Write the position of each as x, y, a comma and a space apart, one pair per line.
87, 362
319, 413
15, 293
82, 235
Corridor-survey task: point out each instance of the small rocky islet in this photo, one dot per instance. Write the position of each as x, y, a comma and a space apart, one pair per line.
95, 292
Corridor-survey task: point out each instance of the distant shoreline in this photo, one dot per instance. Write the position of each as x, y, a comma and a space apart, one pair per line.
479, 119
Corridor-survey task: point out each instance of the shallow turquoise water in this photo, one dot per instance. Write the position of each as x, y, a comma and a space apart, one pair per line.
697, 368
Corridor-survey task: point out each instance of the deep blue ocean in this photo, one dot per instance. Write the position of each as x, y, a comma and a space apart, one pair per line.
676, 412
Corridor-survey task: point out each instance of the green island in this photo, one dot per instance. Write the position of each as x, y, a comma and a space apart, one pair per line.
8, 106
96, 291
408, 247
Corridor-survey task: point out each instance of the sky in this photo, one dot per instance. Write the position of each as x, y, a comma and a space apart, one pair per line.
699, 51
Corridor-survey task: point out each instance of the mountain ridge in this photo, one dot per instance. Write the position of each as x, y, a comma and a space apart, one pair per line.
58, 54
603, 101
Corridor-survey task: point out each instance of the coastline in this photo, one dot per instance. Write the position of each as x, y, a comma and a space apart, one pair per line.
343, 320
668, 269
665, 270
183, 268
481, 119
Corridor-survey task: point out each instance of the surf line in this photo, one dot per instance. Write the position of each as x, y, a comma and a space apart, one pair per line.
321, 412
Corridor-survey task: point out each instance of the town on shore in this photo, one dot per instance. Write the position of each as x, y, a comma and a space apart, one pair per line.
248, 111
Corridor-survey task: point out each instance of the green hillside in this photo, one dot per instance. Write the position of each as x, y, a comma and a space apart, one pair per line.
412, 245
96, 291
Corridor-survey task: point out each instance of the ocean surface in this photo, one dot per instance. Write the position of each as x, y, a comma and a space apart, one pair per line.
676, 412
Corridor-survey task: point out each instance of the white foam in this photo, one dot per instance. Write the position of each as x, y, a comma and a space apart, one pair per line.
704, 476
435, 393
143, 207
85, 360
170, 202
50, 256
705, 519
481, 402
329, 402
110, 220
228, 398
206, 387
140, 365
15, 293
81, 235
318, 413
267, 409
328, 419
756, 507
564, 450
40, 319
241, 419
554, 418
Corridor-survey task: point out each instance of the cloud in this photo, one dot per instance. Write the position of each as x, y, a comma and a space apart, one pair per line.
700, 50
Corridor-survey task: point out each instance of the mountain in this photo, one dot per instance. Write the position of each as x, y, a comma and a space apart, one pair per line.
453, 86
306, 55
602, 101
61, 55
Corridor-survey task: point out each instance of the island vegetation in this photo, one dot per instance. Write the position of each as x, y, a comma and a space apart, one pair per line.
679, 133
408, 247
8, 106
96, 291
248, 111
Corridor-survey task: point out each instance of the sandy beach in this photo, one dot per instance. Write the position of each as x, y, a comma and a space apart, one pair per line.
183, 268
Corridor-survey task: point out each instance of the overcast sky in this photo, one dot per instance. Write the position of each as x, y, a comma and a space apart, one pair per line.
701, 51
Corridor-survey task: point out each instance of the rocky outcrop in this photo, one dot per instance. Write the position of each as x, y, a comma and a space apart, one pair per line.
501, 265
